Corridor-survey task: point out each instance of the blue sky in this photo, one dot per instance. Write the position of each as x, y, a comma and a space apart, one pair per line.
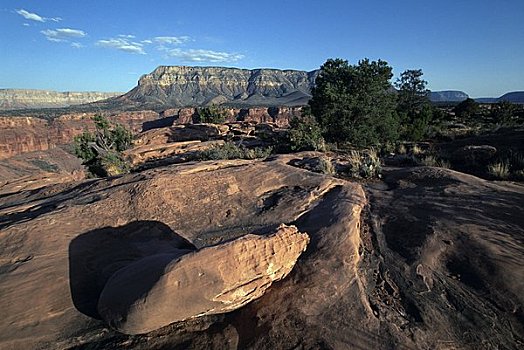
474, 46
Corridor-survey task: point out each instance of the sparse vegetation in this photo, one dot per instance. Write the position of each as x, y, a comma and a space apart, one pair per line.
212, 114
325, 166
466, 109
364, 164
230, 150
306, 135
504, 113
401, 149
499, 170
416, 150
101, 150
434, 161
42, 164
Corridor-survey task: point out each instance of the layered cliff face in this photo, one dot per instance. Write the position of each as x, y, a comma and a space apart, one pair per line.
28, 134
22, 98
181, 86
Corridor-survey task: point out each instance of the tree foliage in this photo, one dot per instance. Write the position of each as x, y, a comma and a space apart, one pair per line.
466, 109
101, 150
212, 114
353, 103
305, 134
412, 92
413, 105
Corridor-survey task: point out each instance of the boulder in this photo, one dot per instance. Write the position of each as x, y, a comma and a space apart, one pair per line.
166, 288
473, 155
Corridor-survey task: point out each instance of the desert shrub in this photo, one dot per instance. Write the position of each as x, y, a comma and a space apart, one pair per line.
42, 164
431, 160
499, 170
504, 113
364, 164
416, 150
305, 134
230, 150
466, 109
325, 166
443, 163
212, 114
101, 150
401, 149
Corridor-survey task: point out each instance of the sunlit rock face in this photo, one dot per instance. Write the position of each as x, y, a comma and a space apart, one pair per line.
182, 86
26, 98
212, 280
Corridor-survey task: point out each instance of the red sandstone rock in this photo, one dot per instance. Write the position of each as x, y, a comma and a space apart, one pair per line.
213, 280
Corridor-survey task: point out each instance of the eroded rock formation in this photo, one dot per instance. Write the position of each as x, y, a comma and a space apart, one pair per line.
181, 86
28, 134
427, 258
213, 280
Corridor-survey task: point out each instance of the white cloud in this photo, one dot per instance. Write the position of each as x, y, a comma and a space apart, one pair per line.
62, 34
199, 55
146, 41
127, 36
122, 45
35, 17
171, 40
77, 45
31, 16
25, 24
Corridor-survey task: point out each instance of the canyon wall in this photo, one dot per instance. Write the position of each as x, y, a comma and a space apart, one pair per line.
181, 86
26, 98
27, 134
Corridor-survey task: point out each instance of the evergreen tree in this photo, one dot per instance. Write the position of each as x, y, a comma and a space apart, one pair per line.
353, 103
414, 107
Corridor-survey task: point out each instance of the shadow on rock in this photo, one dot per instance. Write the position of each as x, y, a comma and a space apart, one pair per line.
96, 255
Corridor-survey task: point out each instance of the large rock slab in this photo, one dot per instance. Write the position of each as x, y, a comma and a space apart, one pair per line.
426, 259
78, 234
165, 288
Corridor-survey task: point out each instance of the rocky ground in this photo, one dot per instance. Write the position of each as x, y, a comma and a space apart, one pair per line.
426, 258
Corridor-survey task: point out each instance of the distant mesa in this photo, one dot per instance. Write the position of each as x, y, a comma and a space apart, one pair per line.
184, 86
448, 96
513, 97
31, 99
181, 86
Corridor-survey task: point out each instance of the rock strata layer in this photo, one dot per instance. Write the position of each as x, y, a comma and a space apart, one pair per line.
212, 280
181, 86
28, 134
25, 98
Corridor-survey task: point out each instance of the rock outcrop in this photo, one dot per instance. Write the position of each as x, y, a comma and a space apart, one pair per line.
33, 170
184, 285
25, 98
79, 234
434, 261
28, 134
181, 86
